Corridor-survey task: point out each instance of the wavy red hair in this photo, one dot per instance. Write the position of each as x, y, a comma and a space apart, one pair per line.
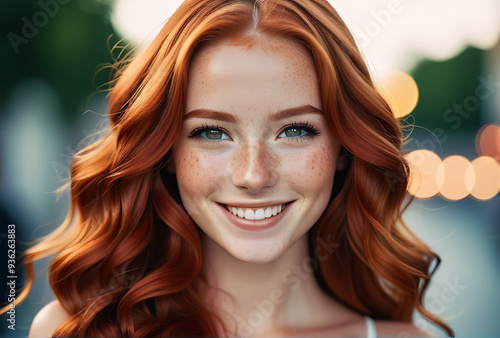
129, 257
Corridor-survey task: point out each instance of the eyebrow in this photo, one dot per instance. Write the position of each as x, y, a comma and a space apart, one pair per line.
291, 112
280, 115
211, 114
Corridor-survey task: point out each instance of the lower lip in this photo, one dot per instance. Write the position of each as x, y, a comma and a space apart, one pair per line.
254, 225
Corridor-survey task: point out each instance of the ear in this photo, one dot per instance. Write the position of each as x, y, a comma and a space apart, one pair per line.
343, 160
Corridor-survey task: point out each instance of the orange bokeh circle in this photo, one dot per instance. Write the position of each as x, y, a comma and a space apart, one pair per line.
488, 141
400, 91
423, 165
487, 178
454, 178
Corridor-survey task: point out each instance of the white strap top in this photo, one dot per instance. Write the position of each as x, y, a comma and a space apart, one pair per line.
371, 329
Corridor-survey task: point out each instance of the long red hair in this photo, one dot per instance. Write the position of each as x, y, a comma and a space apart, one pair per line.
128, 255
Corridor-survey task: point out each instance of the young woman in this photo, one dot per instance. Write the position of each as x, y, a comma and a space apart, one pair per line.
251, 184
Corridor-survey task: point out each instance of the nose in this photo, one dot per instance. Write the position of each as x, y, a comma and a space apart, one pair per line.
253, 167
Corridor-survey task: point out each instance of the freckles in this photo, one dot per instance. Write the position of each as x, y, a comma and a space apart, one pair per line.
276, 160
236, 158
313, 162
191, 166
199, 173
188, 166
317, 169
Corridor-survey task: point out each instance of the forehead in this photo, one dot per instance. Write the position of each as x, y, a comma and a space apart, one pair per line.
275, 53
270, 71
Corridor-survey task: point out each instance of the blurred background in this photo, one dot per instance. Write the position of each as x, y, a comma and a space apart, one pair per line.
436, 62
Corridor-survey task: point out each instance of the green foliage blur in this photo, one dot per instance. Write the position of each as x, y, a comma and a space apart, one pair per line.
61, 42
443, 87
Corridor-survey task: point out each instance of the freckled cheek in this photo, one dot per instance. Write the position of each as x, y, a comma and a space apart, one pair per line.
198, 172
310, 169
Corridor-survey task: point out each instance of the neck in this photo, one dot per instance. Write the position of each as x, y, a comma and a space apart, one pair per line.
258, 298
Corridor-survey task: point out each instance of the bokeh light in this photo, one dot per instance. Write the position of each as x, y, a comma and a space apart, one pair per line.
453, 178
487, 178
400, 91
488, 141
423, 165
392, 40
140, 22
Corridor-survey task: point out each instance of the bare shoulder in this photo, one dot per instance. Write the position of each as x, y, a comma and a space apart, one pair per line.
48, 319
401, 329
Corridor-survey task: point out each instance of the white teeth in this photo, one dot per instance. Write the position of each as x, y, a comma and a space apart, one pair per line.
269, 212
260, 214
241, 213
249, 214
255, 213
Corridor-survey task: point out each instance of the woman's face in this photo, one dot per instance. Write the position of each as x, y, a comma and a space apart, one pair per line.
255, 160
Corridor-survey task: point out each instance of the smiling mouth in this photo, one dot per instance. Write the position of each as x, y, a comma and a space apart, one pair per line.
256, 213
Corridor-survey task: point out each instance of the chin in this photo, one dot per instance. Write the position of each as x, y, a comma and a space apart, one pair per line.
257, 252
257, 258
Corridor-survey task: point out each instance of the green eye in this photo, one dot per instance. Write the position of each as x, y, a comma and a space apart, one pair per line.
298, 131
214, 134
294, 132
210, 134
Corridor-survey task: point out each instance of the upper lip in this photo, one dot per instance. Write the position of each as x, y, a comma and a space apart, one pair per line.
254, 204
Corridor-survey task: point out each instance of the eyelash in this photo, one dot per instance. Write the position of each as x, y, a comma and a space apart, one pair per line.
311, 132
196, 134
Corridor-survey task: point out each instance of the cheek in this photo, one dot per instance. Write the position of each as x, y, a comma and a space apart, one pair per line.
313, 170
197, 172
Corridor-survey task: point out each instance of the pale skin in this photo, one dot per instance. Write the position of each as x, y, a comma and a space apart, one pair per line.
252, 153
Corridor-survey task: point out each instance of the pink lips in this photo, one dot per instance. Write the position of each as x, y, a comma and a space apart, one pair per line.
254, 225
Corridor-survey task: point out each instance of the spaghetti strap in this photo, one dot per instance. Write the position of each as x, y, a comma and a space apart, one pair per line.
371, 329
